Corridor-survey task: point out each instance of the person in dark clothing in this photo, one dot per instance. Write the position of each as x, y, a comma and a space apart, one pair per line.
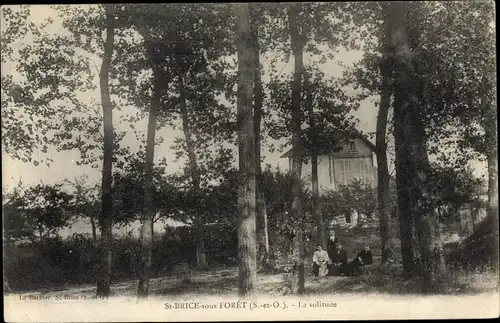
338, 261
331, 245
364, 257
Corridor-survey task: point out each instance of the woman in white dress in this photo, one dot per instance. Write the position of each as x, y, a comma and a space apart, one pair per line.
320, 262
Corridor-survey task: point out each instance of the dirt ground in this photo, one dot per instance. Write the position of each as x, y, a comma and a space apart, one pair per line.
224, 281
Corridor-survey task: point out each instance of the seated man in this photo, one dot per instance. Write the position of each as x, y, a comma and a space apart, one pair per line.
364, 257
320, 262
339, 261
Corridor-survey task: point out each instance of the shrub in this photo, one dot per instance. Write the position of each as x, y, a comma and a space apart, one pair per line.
56, 262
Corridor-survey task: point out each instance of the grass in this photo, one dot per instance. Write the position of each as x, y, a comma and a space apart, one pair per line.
224, 282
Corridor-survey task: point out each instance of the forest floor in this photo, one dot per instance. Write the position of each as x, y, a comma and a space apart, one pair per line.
224, 282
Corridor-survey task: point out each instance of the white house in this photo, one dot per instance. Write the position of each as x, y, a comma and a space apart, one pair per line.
354, 161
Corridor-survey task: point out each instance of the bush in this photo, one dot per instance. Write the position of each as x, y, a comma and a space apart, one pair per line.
57, 262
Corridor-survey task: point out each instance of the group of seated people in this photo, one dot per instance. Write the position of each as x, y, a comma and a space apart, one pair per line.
334, 262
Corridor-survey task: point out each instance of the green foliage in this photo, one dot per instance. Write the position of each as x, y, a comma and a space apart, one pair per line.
28, 89
324, 28
454, 189
128, 190
86, 203
355, 197
320, 24
174, 198
453, 66
330, 106
38, 211
41, 100
56, 262
282, 226
216, 202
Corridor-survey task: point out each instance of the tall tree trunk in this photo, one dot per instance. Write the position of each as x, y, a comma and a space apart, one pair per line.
383, 178
396, 16
105, 219
262, 230
149, 190
403, 179
318, 217
426, 217
491, 138
415, 144
296, 209
201, 260
247, 253
493, 175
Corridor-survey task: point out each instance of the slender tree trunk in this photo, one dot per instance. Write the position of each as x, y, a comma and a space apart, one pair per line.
493, 181
149, 191
296, 209
247, 253
105, 219
262, 230
491, 137
318, 217
94, 229
201, 260
384, 211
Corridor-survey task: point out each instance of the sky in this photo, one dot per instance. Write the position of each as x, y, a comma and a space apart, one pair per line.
64, 165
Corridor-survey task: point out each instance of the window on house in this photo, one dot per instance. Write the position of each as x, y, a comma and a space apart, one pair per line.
344, 171
352, 146
363, 170
355, 169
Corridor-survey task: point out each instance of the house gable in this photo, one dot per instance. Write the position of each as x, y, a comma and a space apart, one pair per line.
362, 148
353, 162
356, 147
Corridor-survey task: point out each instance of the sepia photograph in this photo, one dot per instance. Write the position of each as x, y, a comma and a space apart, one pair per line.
173, 162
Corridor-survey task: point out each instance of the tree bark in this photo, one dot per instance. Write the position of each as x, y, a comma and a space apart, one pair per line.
396, 16
105, 219
262, 230
247, 253
94, 229
426, 217
493, 181
383, 177
415, 148
296, 207
318, 217
201, 260
491, 138
149, 190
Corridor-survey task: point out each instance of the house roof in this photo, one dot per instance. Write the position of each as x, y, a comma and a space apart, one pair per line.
356, 134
